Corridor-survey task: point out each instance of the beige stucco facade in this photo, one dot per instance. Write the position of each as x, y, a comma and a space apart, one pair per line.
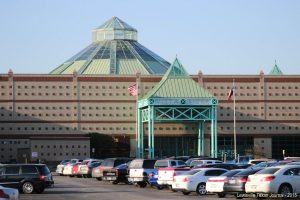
72, 105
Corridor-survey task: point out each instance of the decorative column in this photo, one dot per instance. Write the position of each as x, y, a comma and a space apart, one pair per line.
201, 147
212, 132
150, 132
215, 133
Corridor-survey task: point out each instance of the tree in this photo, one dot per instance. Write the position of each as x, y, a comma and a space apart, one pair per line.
106, 146
103, 144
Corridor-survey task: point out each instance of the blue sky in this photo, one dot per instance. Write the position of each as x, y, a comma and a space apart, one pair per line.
216, 37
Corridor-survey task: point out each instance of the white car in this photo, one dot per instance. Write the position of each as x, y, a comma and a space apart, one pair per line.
275, 181
83, 168
198, 163
195, 180
8, 193
215, 185
60, 166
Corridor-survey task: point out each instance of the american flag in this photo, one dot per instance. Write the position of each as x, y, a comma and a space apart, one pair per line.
230, 94
133, 90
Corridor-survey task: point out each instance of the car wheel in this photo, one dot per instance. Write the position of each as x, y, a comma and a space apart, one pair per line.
160, 187
142, 184
27, 188
201, 189
99, 179
221, 195
185, 193
170, 187
115, 182
285, 190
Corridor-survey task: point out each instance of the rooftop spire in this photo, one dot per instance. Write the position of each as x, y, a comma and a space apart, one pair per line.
114, 29
275, 70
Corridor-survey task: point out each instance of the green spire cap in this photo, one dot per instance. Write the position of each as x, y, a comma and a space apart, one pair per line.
275, 70
114, 29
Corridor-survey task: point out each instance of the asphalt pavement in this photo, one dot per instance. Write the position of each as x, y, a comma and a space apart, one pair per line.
67, 188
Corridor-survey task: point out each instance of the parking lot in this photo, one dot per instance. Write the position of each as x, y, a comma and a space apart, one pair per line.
89, 188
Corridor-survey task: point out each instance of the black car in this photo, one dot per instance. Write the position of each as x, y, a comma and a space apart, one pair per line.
220, 165
236, 184
28, 178
116, 174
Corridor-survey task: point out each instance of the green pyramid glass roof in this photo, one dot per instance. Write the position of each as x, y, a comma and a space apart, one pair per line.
116, 23
275, 71
176, 83
114, 50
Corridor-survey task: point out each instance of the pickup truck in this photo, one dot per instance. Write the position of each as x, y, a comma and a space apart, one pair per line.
139, 169
166, 175
153, 177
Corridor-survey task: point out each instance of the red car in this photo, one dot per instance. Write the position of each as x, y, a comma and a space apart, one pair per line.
75, 169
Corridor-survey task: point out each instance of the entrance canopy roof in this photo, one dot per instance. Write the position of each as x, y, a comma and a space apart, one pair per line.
176, 88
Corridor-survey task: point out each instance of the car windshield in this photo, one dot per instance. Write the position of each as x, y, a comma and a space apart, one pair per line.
270, 170
161, 164
231, 173
259, 165
96, 164
64, 161
192, 172
122, 166
246, 172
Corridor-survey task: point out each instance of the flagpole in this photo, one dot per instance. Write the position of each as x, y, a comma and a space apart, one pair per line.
234, 121
136, 114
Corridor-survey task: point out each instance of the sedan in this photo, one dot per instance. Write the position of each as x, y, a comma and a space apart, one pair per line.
215, 184
195, 180
284, 180
86, 170
9, 193
236, 184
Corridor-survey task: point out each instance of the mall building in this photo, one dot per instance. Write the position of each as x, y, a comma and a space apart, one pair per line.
47, 116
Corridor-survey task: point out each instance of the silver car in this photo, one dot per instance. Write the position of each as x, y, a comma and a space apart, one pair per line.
8, 193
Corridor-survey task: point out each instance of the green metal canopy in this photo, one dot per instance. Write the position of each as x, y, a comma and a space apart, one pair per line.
176, 83
177, 97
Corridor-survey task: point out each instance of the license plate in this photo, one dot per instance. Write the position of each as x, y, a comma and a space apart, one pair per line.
253, 187
231, 181
213, 186
177, 184
111, 178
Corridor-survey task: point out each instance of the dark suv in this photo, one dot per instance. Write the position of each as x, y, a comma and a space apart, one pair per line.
28, 178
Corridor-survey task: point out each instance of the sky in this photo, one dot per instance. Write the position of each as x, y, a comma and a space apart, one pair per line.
214, 36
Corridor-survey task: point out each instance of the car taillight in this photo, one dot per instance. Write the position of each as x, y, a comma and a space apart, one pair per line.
174, 174
248, 179
3, 194
268, 178
185, 179
42, 178
117, 172
243, 179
